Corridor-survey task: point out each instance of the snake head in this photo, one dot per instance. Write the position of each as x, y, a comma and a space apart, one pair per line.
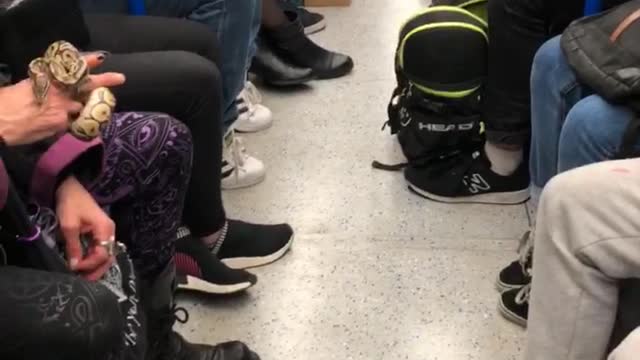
65, 63
40, 79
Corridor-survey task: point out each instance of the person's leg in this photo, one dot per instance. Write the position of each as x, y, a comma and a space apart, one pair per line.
233, 22
138, 37
187, 86
567, 133
554, 91
147, 170
54, 316
518, 28
121, 34
284, 33
272, 14
592, 132
587, 240
178, 83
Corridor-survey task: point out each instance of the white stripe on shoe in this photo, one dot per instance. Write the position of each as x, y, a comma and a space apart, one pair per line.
255, 261
192, 283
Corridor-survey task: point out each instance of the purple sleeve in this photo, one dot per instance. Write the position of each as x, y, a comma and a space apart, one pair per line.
66, 156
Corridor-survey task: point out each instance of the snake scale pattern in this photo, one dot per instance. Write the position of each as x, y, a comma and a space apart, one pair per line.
64, 67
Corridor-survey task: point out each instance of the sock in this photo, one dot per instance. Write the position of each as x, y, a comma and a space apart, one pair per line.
503, 162
215, 240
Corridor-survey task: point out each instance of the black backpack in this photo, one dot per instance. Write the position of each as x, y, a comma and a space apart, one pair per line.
604, 52
440, 65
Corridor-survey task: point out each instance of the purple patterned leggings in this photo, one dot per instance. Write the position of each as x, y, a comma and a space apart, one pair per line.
146, 173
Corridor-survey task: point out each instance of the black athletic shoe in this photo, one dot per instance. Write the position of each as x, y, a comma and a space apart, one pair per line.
312, 22
467, 178
514, 305
243, 245
518, 273
199, 270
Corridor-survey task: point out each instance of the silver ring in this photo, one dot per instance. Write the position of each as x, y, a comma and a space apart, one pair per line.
110, 246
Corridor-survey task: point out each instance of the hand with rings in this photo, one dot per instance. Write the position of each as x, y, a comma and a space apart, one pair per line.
79, 215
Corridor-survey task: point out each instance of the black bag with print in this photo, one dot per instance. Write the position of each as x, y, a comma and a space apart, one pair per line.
440, 66
45, 252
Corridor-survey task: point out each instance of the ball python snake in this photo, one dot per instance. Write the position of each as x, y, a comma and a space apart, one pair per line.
64, 67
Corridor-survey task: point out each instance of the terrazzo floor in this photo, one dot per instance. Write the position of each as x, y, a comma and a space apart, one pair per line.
376, 272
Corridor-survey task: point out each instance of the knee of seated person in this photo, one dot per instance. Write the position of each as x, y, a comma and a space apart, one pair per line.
176, 128
591, 122
199, 75
567, 190
547, 57
203, 40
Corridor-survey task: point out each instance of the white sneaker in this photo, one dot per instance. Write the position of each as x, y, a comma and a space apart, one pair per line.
239, 169
252, 116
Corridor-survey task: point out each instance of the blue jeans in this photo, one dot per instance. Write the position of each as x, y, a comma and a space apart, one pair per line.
570, 127
236, 23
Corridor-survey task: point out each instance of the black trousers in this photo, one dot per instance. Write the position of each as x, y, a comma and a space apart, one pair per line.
170, 68
56, 317
517, 29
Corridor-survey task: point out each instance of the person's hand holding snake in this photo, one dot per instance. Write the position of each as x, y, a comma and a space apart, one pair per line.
23, 120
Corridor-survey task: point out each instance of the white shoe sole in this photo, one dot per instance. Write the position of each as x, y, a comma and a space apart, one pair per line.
319, 26
506, 198
242, 129
199, 285
238, 185
251, 262
507, 314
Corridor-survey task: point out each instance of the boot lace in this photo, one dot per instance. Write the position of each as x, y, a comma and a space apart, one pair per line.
525, 252
252, 92
523, 295
165, 345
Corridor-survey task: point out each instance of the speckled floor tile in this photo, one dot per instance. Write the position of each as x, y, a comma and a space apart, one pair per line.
376, 272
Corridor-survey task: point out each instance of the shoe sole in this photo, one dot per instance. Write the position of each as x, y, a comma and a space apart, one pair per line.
251, 262
253, 130
242, 186
502, 287
191, 283
505, 198
509, 315
289, 83
319, 26
335, 73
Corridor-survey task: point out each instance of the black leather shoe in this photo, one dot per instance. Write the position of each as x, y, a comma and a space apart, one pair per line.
290, 42
165, 343
275, 71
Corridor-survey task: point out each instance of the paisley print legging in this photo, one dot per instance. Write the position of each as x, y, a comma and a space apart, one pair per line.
61, 317
146, 174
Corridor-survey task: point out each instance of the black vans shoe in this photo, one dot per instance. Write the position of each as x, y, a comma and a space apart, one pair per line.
468, 178
518, 273
514, 305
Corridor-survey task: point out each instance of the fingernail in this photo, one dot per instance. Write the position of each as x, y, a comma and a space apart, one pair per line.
73, 263
103, 55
